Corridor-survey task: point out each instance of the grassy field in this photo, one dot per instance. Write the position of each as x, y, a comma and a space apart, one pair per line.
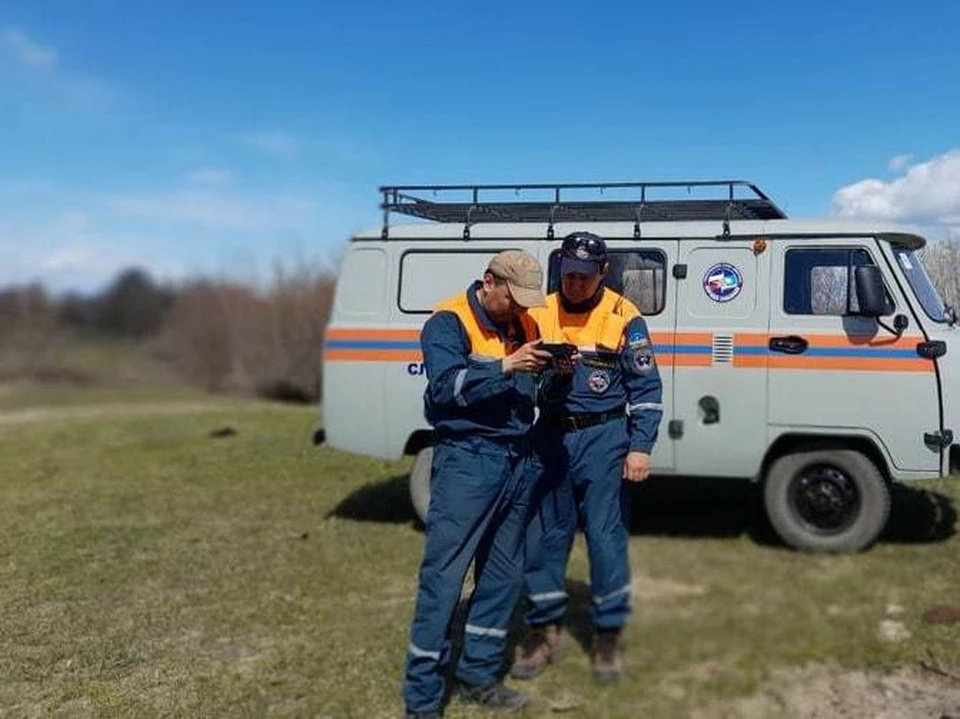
151, 569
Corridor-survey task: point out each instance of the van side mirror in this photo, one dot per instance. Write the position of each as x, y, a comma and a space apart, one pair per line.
871, 293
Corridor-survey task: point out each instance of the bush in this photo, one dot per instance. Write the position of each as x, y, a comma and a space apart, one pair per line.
227, 337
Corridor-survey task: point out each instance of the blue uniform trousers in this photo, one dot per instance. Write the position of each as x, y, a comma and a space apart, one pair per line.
582, 478
479, 508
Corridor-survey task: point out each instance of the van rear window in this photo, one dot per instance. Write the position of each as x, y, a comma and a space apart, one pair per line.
638, 275
430, 276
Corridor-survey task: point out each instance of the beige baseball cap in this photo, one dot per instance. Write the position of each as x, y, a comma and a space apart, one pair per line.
523, 276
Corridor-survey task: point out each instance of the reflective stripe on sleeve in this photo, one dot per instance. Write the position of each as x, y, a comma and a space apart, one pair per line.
645, 405
458, 387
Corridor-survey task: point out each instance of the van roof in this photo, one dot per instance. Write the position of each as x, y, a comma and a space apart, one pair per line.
813, 229
631, 210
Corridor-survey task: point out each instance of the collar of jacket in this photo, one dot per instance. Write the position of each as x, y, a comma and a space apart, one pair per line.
584, 306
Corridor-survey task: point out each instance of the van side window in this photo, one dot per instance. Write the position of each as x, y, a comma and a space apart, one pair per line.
638, 275
429, 276
820, 281
362, 295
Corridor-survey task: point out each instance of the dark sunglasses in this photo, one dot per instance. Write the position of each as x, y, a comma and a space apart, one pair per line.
593, 245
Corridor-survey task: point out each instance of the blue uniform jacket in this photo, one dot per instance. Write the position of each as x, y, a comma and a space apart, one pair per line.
467, 391
607, 377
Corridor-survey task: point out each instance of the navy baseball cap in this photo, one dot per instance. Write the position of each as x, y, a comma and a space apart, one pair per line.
582, 253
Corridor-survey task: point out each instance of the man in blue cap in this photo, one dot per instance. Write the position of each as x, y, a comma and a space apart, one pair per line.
597, 428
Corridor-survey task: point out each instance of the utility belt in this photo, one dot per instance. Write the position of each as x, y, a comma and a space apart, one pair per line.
582, 420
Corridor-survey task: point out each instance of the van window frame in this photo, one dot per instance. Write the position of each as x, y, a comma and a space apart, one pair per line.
849, 248
437, 251
659, 253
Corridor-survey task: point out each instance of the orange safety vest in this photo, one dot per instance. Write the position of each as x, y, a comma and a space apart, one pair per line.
599, 330
485, 344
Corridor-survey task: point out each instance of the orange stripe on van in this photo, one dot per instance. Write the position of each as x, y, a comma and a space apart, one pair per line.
372, 334
338, 355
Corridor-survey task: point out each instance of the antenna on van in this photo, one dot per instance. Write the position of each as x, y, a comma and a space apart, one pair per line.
553, 212
643, 201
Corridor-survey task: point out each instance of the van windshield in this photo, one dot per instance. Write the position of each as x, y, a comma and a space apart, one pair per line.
920, 283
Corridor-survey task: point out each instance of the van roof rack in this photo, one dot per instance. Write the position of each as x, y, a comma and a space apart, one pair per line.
467, 206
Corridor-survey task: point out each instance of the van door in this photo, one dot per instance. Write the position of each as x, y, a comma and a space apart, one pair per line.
720, 389
838, 373
640, 270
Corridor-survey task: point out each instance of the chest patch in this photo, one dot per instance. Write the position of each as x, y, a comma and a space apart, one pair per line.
598, 381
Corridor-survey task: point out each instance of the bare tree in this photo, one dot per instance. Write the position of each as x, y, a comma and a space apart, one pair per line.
942, 261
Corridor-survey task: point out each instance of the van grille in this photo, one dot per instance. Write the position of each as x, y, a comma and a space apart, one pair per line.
722, 349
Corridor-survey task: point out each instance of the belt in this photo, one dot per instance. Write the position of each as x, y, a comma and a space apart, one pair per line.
582, 420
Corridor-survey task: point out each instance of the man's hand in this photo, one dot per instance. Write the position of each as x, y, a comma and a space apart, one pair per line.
636, 467
526, 359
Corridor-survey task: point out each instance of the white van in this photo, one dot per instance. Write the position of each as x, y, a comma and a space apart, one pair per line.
814, 357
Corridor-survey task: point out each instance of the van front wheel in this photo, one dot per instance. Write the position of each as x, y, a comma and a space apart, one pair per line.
420, 482
826, 500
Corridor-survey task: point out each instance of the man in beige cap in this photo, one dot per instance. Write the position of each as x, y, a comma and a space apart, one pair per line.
479, 349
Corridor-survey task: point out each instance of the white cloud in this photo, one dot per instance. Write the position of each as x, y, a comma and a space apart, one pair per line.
212, 176
25, 50
898, 162
928, 193
260, 212
274, 143
33, 77
75, 251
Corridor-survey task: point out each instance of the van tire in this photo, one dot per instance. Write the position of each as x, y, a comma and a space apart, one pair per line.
420, 482
826, 500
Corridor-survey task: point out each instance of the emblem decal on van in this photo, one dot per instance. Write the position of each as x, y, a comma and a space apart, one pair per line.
722, 282
598, 381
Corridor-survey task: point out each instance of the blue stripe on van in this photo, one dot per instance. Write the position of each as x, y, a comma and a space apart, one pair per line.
855, 352
687, 349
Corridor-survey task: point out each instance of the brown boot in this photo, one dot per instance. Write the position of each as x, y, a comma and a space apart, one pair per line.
607, 657
543, 645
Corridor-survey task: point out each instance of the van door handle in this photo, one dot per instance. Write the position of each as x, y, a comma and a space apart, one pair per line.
792, 345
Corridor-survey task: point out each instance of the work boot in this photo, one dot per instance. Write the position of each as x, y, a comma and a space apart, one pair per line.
607, 659
493, 696
543, 645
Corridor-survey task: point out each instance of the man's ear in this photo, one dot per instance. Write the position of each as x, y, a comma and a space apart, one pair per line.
605, 269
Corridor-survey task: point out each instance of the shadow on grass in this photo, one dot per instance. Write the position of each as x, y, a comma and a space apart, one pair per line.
387, 501
689, 507
576, 626
717, 508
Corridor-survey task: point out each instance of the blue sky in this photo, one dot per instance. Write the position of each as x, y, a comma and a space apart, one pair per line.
219, 137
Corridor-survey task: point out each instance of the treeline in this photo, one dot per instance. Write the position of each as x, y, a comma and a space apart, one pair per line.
227, 336
221, 335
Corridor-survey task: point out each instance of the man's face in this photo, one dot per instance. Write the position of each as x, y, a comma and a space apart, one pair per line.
577, 287
497, 300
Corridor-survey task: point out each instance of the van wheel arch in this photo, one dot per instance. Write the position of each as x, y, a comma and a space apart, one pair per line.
420, 444
789, 443
826, 494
